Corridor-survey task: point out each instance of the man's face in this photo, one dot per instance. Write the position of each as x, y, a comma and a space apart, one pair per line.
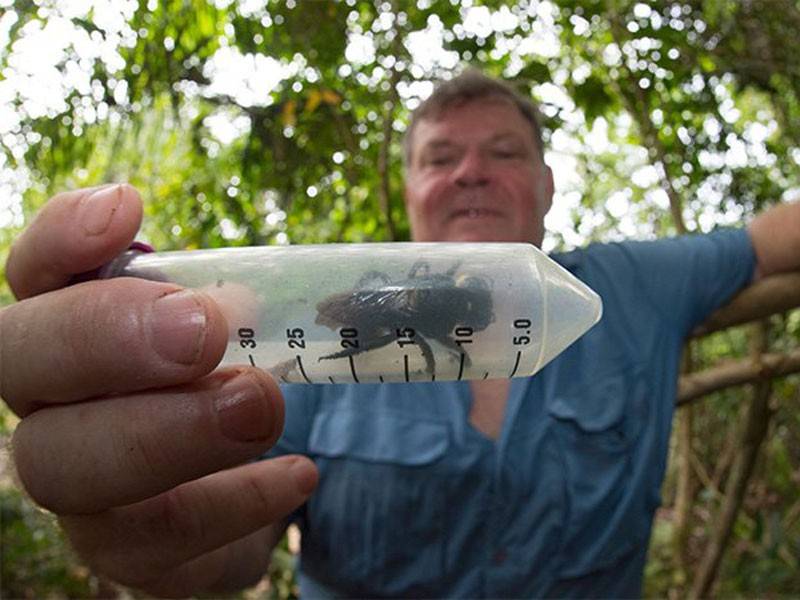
476, 174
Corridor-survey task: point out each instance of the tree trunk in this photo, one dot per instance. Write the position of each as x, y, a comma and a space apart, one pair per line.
753, 430
685, 489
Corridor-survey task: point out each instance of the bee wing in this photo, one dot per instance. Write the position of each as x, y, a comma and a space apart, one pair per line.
394, 301
366, 307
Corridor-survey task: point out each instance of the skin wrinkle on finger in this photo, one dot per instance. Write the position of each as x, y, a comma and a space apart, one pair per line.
218, 572
180, 513
167, 531
93, 339
143, 451
200, 573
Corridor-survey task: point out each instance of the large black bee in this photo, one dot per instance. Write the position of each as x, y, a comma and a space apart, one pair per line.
425, 306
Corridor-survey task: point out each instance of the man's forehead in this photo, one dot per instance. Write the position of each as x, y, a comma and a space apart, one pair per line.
489, 119
443, 141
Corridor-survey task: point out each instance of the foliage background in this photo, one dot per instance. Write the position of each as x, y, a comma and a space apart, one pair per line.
262, 122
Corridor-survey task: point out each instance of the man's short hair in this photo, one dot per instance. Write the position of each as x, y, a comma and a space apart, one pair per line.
470, 85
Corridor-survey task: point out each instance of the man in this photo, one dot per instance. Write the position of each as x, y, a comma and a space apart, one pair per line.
535, 487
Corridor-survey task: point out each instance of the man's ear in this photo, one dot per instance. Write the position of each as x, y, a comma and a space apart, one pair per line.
549, 189
406, 187
405, 193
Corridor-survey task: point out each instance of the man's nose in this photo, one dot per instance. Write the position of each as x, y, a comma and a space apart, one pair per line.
472, 170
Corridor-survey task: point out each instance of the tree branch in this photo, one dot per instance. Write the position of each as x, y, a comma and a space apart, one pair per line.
383, 157
724, 460
384, 191
729, 374
351, 173
774, 294
639, 109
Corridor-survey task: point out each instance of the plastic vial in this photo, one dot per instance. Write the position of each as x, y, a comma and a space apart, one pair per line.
367, 313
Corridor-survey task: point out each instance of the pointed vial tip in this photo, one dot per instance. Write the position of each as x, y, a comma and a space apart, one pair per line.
571, 308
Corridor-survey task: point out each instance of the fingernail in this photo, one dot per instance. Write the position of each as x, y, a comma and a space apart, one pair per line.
179, 327
245, 413
97, 209
304, 474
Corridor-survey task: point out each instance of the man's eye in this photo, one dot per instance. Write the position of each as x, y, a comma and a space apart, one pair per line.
441, 160
506, 153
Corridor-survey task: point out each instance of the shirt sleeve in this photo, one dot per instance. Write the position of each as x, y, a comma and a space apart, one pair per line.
684, 278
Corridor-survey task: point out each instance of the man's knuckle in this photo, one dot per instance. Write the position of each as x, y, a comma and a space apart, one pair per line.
140, 452
62, 197
24, 463
100, 322
3, 358
15, 338
75, 330
258, 494
182, 518
11, 264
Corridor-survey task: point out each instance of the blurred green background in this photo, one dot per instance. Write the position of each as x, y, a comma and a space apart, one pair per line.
274, 122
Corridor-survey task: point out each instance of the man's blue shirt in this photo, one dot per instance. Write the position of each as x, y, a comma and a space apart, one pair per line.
414, 501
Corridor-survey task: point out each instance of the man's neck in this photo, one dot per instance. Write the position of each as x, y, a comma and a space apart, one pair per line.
489, 399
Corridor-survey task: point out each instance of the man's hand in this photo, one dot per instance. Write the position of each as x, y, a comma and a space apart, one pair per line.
125, 433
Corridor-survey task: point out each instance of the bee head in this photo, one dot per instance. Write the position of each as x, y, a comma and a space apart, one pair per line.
478, 301
471, 282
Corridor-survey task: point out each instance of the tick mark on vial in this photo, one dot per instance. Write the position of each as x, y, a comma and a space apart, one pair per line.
302, 370
516, 365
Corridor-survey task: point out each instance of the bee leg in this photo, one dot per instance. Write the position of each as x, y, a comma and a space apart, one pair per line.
282, 369
420, 265
427, 353
455, 349
452, 270
365, 346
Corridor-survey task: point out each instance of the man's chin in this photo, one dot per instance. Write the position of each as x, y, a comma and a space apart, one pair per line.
478, 233
490, 229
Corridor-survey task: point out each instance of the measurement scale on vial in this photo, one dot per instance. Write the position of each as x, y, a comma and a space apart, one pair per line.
381, 313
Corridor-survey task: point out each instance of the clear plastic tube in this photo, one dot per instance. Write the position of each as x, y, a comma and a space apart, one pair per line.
358, 313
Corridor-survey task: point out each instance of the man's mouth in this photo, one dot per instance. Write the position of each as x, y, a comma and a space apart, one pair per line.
474, 213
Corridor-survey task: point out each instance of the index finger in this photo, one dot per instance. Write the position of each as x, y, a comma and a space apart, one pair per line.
75, 232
